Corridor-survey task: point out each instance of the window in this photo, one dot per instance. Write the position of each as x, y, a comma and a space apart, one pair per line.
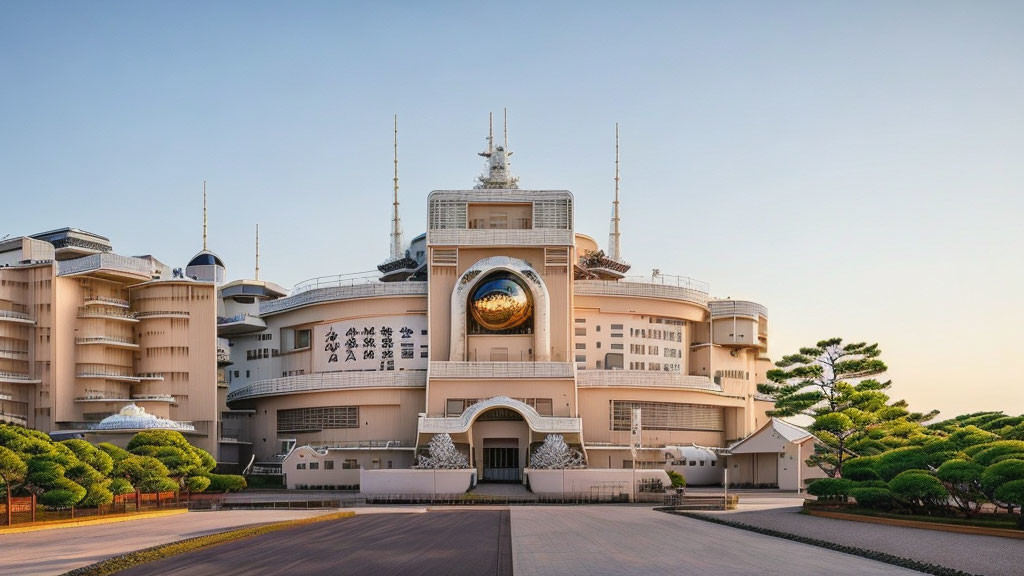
581, 358
581, 320
317, 418
300, 466
581, 331
581, 345
314, 465
693, 463
302, 339
328, 464
666, 415
454, 407
350, 464
598, 344
616, 346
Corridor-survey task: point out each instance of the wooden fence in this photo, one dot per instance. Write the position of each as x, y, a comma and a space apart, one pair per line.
25, 509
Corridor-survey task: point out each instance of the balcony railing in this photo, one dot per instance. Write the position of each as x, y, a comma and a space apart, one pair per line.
501, 370
331, 381
11, 314
17, 378
168, 313
352, 279
500, 236
104, 300
114, 313
335, 293
640, 289
14, 354
108, 340
106, 375
111, 262
237, 318
644, 379
730, 308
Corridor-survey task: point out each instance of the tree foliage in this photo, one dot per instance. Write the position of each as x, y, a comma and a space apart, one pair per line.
834, 384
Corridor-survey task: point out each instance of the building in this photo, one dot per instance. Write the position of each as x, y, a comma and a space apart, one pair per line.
499, 326
86, 334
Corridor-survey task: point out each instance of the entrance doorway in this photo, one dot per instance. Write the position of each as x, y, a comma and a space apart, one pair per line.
501, 460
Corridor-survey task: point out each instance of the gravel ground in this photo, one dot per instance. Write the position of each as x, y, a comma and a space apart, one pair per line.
637, 541
989, 555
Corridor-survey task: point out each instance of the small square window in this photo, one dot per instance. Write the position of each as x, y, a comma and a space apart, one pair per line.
314, 465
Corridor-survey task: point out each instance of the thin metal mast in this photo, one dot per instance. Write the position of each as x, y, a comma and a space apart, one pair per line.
614, 243
204, 214
396, 221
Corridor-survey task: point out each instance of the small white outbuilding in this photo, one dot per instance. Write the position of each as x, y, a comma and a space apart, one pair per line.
773, 456
700, 465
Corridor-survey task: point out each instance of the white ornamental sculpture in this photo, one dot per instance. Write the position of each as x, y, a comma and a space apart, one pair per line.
555, 454
442, 455
133, 417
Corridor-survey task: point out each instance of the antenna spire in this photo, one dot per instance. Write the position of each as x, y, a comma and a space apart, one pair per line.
257, 252
614, 241
204, 214
396, 221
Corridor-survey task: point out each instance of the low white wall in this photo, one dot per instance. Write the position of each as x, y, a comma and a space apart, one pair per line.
591, 481
412, 481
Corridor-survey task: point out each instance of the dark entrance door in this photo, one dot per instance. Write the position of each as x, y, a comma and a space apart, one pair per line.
501, 464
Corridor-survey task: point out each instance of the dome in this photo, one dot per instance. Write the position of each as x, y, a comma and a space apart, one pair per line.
501, 302
206, 258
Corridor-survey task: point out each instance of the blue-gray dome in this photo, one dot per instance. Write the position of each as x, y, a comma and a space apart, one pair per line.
206, 258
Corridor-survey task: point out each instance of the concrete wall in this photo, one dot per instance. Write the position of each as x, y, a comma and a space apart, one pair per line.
416, 481
590, 481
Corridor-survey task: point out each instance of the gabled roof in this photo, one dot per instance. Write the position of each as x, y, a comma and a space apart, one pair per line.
780, 428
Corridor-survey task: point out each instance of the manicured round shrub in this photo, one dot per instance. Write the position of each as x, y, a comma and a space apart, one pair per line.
226, 483
958, 471
121, 486
873, 498
197, 483
893, 462
91, 455
831, 488
918, 488
993, 452
97, 494
63, 494
873, 484
116, 453
1012, 493
1000, 473
862, 468
12, 467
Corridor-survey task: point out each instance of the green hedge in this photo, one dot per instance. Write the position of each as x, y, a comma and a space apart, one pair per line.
873, 498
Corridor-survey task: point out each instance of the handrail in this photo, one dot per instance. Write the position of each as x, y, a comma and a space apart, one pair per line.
349, 279
13, 314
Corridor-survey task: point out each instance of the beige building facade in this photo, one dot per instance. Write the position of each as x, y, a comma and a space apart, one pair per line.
85, 333
499, 326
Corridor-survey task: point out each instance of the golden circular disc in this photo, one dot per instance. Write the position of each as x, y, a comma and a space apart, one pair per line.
501, 303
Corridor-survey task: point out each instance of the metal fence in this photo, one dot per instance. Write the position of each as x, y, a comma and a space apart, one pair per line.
26, 509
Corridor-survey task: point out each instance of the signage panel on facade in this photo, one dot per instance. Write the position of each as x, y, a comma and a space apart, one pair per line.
382, 343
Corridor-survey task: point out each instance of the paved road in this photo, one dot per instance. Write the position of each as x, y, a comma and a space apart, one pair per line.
988, 555
469, 542
626, 540
56, 551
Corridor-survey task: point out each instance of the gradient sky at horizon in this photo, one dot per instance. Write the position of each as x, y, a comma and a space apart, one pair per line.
856, 167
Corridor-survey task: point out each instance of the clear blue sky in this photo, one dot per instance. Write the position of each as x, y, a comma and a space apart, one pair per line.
855, 166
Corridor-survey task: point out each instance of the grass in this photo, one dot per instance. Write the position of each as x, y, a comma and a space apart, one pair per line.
125, 561
984, 521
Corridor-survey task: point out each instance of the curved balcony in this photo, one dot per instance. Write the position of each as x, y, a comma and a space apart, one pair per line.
328, 381
105, 301
113, 376
108, 266
21, 355
16, 317
644, 379
240, 324
338, 293
162, 314
101, 398
730, 308
640, 290
111, 341
107, 313
17, 378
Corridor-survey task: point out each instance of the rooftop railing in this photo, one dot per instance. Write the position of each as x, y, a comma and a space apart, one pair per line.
105, 261
640, 289
350, 279
350, 292
331, 381
729, 308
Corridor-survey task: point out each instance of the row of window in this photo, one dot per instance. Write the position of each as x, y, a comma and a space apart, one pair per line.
317, 418
261, 353
666, 416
